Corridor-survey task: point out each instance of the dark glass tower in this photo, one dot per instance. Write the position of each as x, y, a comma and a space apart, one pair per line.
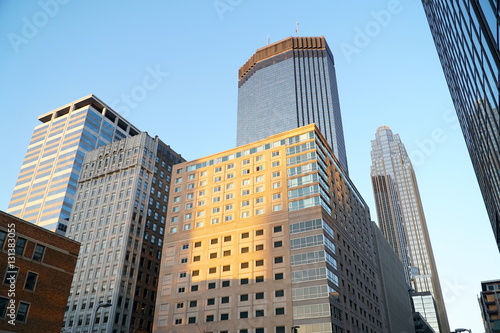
466, 34
289, 84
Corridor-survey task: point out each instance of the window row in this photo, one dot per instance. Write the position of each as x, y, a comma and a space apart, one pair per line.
21, 245
228, 238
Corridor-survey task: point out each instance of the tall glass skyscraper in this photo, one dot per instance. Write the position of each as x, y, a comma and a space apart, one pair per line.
466, 34
288, 84
401, 217
46, 185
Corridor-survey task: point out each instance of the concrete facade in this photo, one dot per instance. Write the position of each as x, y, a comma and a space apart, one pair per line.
266, 237
119, 217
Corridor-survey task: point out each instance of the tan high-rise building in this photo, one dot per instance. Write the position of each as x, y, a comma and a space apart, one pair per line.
268, 237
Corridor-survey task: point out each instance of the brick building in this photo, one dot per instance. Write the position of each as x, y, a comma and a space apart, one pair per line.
39, 272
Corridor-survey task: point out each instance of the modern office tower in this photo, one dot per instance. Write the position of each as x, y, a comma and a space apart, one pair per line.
466, 36
35, 289
401, 216
489, 302
266, 237
119, 218
46, 185
397, 304
288, 84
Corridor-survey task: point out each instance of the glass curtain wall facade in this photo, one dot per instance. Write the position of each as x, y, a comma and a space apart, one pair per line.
288, 84
46, 185
401, 216
119, 219
466, 35
265, 237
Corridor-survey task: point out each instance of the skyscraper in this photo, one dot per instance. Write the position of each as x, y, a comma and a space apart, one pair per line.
119, 218
266, 237
401, 216
466, 35
288, 84
46, 185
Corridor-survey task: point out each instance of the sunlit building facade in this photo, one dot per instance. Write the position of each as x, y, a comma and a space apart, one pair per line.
401, 217
265, 238
288, 84
46, 185
466, 35
489, 303
119, 218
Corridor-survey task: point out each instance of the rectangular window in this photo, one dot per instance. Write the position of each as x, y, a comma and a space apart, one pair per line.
243, 314
243, 297
20, 244
38, 253
259, 313
3, 236
211, 301
30, 281
278, 260
22, 312
259, 295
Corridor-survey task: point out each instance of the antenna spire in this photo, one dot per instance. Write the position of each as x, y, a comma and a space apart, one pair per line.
297, 28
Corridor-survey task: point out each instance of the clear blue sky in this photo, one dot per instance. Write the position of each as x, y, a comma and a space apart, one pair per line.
388, 73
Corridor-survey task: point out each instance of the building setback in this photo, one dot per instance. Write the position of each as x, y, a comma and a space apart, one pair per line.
401, 217
266, 237
288, 84
43, 267
397, 304
489, 302
46, 185
466, 35
119, 218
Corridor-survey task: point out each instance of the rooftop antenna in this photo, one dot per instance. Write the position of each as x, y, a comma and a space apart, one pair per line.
297, 28
268, 40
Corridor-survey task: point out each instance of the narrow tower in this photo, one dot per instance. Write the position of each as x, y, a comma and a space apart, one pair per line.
401, 218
